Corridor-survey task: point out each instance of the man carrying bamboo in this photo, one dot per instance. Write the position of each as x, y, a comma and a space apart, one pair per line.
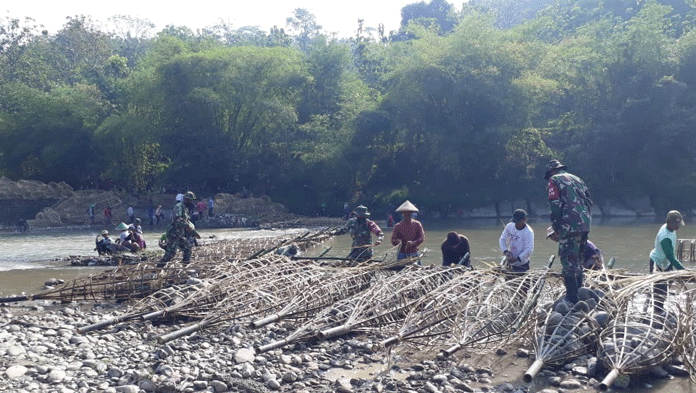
361, 230
570, 204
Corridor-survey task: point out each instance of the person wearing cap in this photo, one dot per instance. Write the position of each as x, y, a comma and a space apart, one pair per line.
662, 257
517, 242
571, 217
408, 233
454, 248
105, 244
125, 240
176, 233
136, 225
361, 229
592, 258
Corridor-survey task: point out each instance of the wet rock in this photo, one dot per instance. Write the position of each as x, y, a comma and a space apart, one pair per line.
592, 366
501, 352
571, 384
431, 388
555, 381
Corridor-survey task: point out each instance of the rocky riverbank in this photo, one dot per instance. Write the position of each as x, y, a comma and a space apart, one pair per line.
41, 351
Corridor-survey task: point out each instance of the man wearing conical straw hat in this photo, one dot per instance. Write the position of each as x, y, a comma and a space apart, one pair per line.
408, 234
361, 230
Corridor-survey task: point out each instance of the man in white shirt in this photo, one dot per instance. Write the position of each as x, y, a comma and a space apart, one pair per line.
517, 242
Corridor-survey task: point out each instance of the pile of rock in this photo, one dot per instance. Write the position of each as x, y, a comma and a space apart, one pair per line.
41, 351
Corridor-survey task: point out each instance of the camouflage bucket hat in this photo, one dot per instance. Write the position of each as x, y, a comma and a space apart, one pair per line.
361, 211
552, 165
190, 195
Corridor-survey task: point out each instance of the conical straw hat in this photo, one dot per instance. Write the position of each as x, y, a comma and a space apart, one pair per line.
407, 207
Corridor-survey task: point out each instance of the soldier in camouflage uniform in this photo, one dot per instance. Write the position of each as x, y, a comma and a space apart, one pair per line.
361, 230
176, 233
570, 204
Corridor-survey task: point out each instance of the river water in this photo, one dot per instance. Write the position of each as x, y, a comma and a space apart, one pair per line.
28, 259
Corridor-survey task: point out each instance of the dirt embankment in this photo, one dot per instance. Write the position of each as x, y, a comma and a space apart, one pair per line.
52, 204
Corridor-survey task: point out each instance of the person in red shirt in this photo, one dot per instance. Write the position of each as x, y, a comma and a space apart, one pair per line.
408, 234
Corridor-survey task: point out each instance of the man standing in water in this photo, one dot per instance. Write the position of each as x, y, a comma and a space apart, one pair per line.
408, 233
662, 256
361, 230
176, 233
517, 242
570, 204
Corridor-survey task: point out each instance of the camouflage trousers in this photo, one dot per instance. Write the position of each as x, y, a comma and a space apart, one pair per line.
571, 249
175, 242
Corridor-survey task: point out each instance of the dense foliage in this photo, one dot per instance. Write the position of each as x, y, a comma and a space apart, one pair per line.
455, 109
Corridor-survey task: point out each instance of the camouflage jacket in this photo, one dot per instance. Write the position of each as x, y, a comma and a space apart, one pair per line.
570, 203
180, 219
361, 232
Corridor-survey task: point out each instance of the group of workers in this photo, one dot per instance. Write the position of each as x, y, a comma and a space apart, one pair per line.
130, 239
570, 204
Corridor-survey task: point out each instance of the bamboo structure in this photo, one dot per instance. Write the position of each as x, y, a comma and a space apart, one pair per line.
570, 330
384, 303
647, 330
502, 313
342, 285
435, 313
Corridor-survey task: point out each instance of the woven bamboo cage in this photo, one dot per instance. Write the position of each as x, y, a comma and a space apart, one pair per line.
647, 329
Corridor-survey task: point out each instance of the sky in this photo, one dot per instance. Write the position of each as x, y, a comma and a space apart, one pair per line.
334, 16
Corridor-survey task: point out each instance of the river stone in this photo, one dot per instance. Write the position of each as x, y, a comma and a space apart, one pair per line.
555, 381
602, 318
15, 350
571, 384
56, 376
431, 388
273, 384
592, 366
244, 355
581, 306
127, 389
562, 307
15, 371
218, 386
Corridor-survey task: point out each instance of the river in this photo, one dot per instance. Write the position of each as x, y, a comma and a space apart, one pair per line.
28, 259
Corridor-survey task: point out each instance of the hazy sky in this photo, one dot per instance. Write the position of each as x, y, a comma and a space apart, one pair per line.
334, 16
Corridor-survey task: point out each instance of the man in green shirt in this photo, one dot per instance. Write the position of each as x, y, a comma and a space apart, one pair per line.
662, 256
